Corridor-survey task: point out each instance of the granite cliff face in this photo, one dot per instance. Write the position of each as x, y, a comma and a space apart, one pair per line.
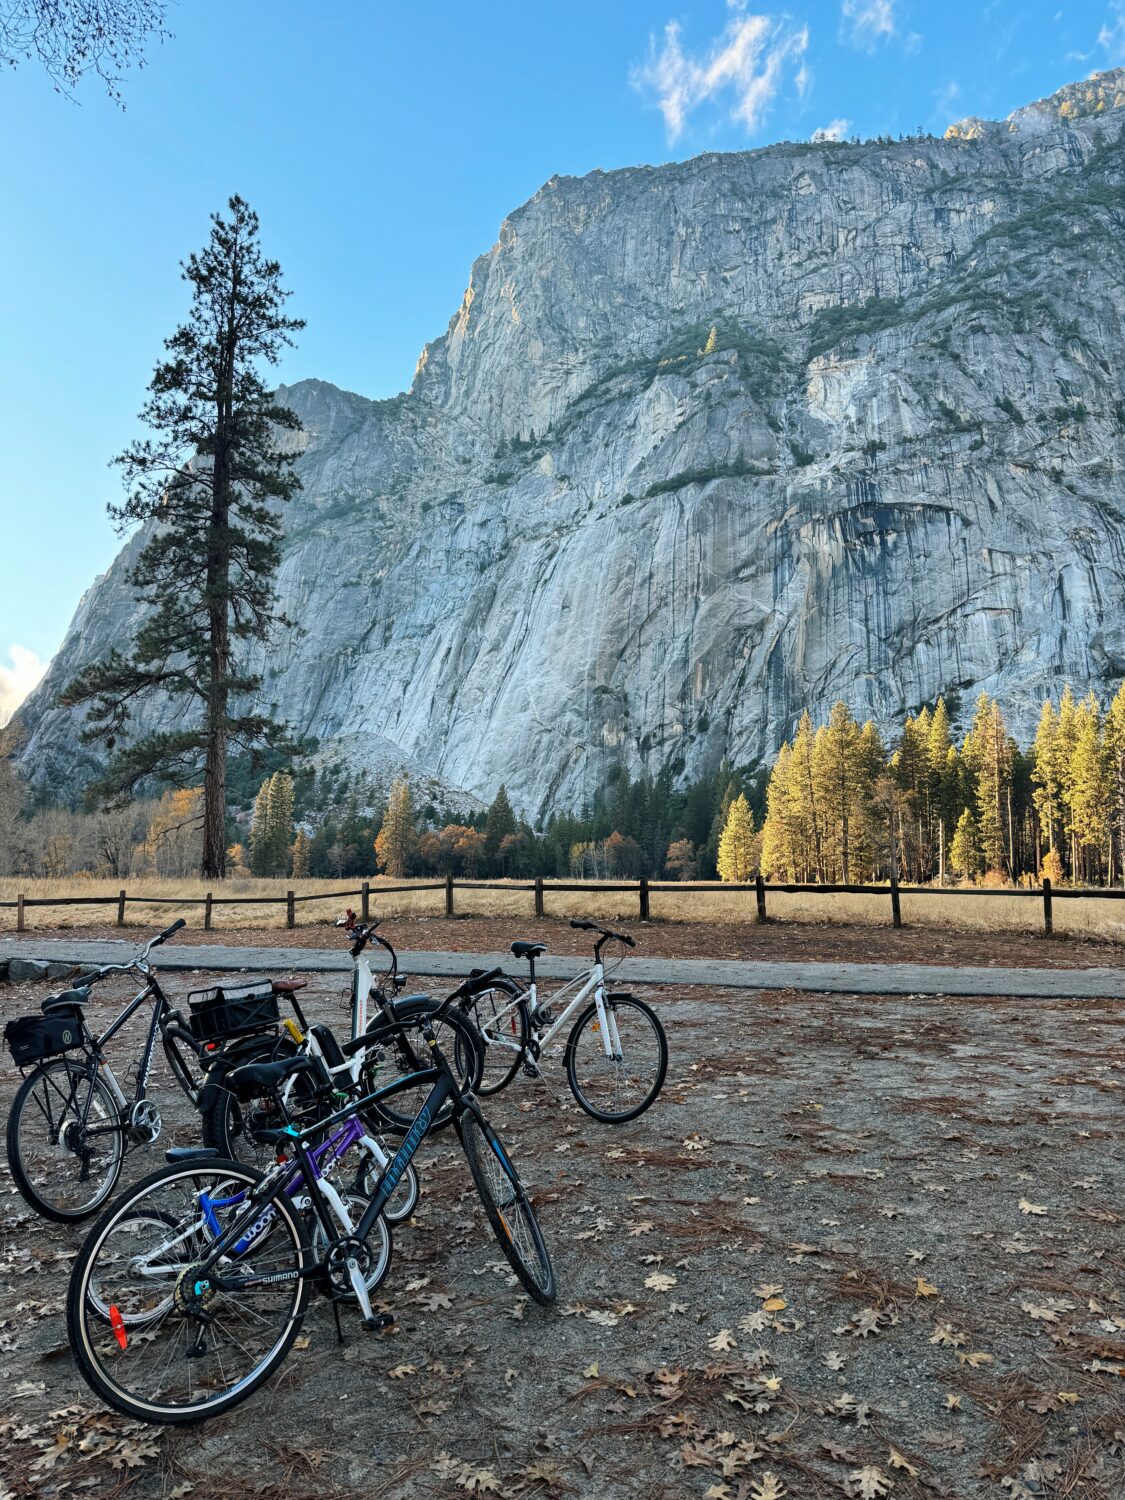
707, 443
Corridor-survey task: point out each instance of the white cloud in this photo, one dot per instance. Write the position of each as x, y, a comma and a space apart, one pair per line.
866, 23
745, 64
18, 680
835, 130
1111, 38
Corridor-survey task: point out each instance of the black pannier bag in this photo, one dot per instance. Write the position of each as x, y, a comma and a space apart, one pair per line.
31, 1038
230, 1010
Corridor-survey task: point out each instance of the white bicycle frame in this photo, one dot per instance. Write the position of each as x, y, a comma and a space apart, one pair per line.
362, 983
589, 981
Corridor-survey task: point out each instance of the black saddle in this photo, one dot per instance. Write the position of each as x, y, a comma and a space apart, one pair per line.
528, 950
175, 1155
264, 1077
64, 1000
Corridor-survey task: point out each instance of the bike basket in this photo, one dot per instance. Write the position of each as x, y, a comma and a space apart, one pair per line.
33, 1037
232, 1010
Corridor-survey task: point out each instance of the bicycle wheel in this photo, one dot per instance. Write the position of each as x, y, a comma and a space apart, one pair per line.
230, 1125
619, 1085
64, 1149
508, 1207
403, 1201
503, 1022
406, 1051
169, 1352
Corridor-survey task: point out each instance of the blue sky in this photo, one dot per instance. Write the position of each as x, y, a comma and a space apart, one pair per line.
382, 144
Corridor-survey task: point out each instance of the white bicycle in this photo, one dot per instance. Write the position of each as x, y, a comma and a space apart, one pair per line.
616, 1055
241, 1132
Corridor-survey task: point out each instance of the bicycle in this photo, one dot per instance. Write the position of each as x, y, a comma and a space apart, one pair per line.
189, 1291
616, 1055
71, 1123
250, 1134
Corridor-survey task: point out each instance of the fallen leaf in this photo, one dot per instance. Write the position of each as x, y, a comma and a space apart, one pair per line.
869, 1483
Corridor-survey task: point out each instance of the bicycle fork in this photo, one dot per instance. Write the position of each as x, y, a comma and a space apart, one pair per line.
607, 1021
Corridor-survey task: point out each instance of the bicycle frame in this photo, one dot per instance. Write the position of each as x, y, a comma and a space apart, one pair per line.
161, 1011
250, 1225
590, 981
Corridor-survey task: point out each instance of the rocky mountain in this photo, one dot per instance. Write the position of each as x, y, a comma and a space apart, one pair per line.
707, 443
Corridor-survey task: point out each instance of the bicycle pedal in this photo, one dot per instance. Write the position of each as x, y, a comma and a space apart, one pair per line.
531, 1070
379, 1322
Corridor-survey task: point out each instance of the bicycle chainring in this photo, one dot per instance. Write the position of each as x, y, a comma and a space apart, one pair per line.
144, 1122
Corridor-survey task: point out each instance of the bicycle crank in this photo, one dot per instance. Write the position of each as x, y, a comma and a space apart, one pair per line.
144, 1122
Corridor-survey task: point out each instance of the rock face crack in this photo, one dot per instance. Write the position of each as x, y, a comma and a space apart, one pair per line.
707, 444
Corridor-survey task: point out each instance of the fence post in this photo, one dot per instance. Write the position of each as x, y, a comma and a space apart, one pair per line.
449, 894
19, 912
121, 908
207, 913
290, 910
642, 892
896, 906
1048, 915
760, 896
365, 899
538, 895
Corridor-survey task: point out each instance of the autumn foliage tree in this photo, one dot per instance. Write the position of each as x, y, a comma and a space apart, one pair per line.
395, 844
737, 845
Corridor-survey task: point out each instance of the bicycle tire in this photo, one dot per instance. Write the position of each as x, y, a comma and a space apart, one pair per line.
511, 1216
224, 1121
506, 1042
86, 1327
384, 1035
615, 1066
24, 1174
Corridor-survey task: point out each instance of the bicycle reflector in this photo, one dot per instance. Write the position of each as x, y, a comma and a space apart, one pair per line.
117, 1323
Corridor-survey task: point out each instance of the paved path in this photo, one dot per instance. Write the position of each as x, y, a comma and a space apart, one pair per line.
863, 979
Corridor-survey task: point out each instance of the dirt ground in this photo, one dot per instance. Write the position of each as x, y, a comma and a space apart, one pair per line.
859, 1246
780, 942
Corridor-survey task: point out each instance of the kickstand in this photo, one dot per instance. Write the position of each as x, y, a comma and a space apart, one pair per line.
336, 1312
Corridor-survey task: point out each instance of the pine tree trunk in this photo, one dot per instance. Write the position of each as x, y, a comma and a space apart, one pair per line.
214, 866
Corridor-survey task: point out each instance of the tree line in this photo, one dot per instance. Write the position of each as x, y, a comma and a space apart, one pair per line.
837, 806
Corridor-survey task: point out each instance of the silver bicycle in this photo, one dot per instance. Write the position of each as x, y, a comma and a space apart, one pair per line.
616, 1054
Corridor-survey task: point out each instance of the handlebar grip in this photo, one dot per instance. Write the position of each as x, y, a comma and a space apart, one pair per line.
583, 926
626, 939
169, 931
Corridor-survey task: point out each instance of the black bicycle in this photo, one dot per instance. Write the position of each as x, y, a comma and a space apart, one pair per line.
71, 1122
189, 1291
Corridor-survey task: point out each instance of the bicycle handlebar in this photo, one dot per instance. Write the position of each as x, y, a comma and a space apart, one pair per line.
138, 958
620, 937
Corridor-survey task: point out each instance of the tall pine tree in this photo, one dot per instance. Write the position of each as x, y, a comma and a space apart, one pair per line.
207, 490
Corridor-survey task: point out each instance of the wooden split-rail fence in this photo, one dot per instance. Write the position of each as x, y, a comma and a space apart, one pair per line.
758, 910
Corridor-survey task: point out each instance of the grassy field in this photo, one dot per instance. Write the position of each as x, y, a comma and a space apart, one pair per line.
1090, 917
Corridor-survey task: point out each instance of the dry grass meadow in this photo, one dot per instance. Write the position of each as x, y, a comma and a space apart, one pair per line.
1092, 916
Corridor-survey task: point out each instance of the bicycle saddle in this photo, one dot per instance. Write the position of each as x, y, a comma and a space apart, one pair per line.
264, 1077
528, 950
287, 986
64, 1000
